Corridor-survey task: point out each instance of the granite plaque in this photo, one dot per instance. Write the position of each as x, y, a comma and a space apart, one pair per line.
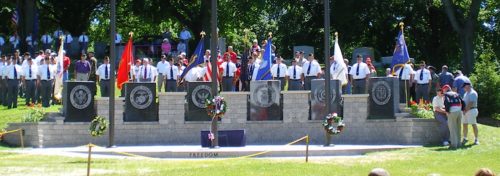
140, 102
319, 99
78, 101
197, 93
384, 97
265, 101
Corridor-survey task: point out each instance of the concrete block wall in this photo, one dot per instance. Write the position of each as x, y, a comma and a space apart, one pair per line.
172, 129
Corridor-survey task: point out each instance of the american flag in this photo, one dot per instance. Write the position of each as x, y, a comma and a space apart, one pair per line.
15, 17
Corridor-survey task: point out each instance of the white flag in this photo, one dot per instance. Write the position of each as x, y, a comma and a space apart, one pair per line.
58, 85
341, 72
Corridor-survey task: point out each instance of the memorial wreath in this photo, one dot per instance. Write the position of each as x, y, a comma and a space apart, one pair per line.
98, 126
329, 122
216, 107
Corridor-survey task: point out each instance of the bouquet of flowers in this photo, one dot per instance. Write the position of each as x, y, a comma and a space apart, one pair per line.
216, 107
330, 120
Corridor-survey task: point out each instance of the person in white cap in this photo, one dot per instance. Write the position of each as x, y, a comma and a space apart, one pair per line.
146, 73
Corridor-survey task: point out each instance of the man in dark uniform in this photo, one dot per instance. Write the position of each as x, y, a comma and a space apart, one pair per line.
103, 74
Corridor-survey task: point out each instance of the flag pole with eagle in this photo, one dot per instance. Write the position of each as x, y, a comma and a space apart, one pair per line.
196, 58
125, 64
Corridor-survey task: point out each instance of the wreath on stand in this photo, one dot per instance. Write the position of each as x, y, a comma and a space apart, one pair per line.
329, 122
98, 126
216, 108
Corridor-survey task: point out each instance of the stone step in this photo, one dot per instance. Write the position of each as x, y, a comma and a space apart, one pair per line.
403, 115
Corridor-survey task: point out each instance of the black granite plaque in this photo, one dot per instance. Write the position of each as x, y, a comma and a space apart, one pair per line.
384, 97
318, 98
197, 93
78, 101
140, 102
265, 101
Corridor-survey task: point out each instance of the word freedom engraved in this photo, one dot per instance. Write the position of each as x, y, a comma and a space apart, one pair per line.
264, 96
141, 97
381, 93
200, 95
80, 97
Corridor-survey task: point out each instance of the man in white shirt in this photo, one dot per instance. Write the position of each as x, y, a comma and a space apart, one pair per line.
185, 36
2, 43
13, 73
278, 71
253, 69
14, 41
31, 43
228, 71
162, 72
146, 73
360, 73
206, 57
67, 41
171, 75
46, 73
337, 70
423, 79
29, 80
118, 39
46, 41
295, 76
406, 76
134, 70
84, 42
2, 86
103, 75
311, 71
440, 116
57, 34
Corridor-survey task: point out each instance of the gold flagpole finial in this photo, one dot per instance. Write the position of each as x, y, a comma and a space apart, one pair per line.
130, 33
61, 37
202, 33
270, 35
401, 24
336, 35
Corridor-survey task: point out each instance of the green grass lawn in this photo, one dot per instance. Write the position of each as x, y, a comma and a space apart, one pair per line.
17, 114
415, 161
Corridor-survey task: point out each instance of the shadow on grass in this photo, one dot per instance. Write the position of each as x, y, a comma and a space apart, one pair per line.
446, 148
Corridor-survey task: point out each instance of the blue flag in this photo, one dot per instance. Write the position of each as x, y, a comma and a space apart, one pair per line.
264, 72
400, 55
196, 58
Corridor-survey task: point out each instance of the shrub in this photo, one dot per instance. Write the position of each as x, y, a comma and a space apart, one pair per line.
486, 81
34, 115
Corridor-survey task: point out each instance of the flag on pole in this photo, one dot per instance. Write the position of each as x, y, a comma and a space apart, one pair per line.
400, 55
125, 64
264, 72
196, 58
340, 60
58, 84
15, 17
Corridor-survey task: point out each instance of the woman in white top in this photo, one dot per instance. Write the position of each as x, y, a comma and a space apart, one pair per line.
440, 115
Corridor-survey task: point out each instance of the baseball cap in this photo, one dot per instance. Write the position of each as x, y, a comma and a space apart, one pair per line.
445, 88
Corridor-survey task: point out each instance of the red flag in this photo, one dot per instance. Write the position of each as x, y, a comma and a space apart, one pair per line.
125, 64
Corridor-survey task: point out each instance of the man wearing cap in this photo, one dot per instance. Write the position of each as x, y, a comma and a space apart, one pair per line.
162, 72
171, 75
13, 73
405, 75
228, 73
470, 112
423, 78
360, 73
135, 69
440, 115
103, 75
445, 77
311, 71
29, 80
46, 73
146, 74
295, 76
278, 71
453, 105
434, 83
458, 83
82, 68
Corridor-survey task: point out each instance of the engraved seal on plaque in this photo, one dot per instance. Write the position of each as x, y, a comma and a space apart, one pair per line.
141, 97
381, 93
200, 95
80, 97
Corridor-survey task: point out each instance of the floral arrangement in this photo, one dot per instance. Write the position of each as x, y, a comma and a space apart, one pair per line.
98, 126
35, 114
329, 122
216, 107
423, 109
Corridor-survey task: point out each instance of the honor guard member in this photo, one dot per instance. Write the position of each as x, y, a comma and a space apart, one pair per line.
29, 80
67, 41
228, 70
46, 73
295, 76
31, 43
83, 40
103, 74
162, 72
3, 74
423, 80
3, 87
58, 33
146, 72
134, 70
14, 42
82, 68
311, 71
405, 75
171, 75
360, 73
278, 71
13, 73
46, 41
336, 71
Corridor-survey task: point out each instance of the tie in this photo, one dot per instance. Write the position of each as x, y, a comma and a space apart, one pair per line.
106, 71
171, 72
294, 73
227, 69
278, 71
48, 73
46, 39
401, 73
30, 72
357, 70
15, 72
145, 71
66, 39
84, 39
309, 68
421, 74
250, 72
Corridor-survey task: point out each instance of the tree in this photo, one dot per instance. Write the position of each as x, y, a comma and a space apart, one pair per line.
465, 26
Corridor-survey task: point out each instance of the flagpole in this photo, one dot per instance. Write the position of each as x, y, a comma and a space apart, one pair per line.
213, 55
111, 140
401, 25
